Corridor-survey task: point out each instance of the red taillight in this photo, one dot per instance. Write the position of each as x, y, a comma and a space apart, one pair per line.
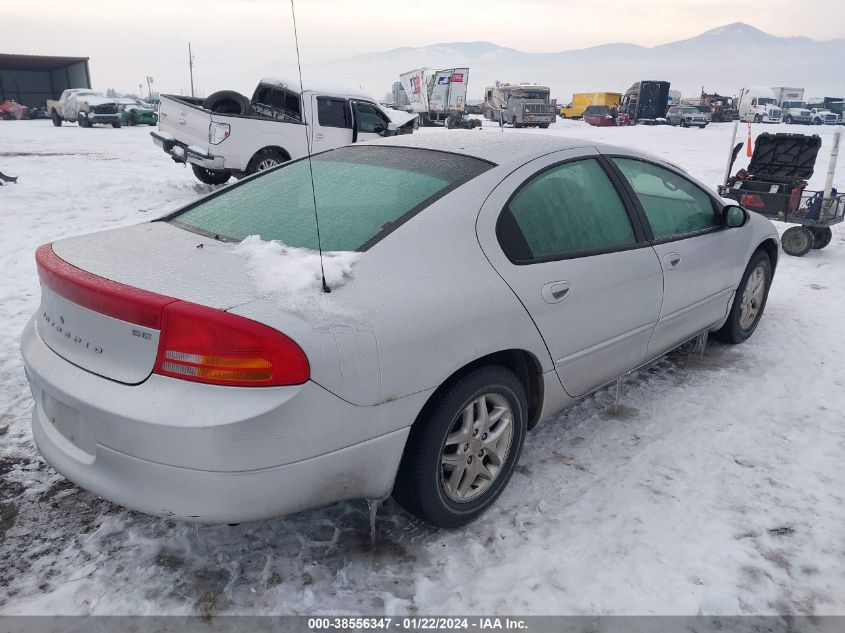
196, 342
207, 345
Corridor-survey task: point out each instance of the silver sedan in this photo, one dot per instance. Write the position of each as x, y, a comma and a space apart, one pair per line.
185, 369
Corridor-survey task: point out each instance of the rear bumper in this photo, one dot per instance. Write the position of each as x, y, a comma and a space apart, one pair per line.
183, 153
202, 453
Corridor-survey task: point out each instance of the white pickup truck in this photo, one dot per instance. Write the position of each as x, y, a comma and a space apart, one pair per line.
228, 135
85, 107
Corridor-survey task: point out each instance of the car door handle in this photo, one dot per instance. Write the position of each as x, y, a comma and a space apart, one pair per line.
555, 291
672, 260
318, 137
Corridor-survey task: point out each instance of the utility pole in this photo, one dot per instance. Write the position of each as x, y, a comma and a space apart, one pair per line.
149, 89
191, 67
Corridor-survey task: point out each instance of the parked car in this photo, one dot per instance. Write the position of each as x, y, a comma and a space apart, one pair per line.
227, 135
169, 378
136, 112
599, 115
11, 110
85, 107
686, 116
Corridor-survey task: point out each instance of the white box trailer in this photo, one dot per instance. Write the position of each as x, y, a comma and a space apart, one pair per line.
435, 94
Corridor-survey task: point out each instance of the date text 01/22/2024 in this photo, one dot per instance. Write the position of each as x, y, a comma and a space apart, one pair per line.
417, 623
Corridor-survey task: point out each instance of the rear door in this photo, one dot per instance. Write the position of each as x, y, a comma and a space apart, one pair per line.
699, 257
559, 234
332, 124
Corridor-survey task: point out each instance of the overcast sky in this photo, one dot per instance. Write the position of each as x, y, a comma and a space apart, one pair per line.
129, 39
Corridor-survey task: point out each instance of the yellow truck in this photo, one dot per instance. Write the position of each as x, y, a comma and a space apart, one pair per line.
580, 101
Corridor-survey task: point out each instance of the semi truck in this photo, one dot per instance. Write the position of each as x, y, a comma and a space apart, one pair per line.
435, 94
646, 102
793, 107
580, 101
758, 104
521, 105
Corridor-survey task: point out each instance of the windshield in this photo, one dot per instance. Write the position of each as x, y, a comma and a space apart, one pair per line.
691, 111
532, 94
764, 101
794, 104
363, 193
838, 106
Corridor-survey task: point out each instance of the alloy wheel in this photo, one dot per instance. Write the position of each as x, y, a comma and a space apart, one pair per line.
752, 298
476, 447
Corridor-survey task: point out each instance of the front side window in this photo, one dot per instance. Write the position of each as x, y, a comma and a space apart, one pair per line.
334, 112
370, 118
565, 211
673, 205
362, 193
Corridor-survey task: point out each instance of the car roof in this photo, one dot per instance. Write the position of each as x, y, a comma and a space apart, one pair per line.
498, 148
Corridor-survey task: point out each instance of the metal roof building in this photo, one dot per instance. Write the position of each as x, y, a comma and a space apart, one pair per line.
32, 79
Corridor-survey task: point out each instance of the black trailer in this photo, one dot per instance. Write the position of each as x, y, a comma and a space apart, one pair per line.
646, 102
775, 185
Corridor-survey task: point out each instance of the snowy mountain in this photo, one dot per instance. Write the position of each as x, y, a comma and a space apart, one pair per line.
722, 60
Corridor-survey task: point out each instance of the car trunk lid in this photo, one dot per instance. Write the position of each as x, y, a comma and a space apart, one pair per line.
102, 295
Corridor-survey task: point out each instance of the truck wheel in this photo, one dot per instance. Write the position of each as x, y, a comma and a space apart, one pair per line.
543, 126
227, 102
684, 123
788, 120
82, 121
821, 236
57, 120
211, 176
757, 118
265, 159
797, 241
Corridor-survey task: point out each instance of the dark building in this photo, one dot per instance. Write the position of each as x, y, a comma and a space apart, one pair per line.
32, 79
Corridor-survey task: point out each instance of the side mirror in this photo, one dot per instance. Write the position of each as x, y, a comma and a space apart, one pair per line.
734, 216
391, 130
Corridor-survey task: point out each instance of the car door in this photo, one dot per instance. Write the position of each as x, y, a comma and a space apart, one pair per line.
559, 234
672, 116
332, 125
699, 257
370, 121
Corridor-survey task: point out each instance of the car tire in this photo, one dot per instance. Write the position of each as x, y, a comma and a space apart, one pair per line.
57, 120
757, 118
265, 159
211, 176
787, 120
817, 121
821, 236
683, 123
116, 124
227, 102
797, 241
426, 485
749, 301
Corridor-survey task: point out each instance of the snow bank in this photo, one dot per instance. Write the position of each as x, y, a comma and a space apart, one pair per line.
292, 275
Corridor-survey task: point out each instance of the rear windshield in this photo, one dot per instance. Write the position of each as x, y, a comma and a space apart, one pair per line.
362, 192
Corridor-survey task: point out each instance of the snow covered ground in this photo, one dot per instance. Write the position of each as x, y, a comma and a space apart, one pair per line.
717, 488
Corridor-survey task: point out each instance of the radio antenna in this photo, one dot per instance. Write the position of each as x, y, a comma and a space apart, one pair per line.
308, 149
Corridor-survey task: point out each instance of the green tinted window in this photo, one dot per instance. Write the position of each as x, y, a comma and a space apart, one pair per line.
362, 193
673, 205
568, 209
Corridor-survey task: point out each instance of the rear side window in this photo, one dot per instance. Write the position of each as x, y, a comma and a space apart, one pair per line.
333, 112
363, 193
673, 205
277, 99
567, 210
